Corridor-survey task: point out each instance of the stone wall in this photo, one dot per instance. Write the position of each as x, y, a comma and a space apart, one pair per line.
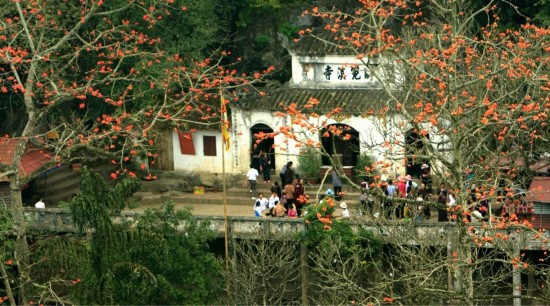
185, 181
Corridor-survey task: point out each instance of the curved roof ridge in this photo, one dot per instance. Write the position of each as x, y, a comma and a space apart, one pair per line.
350, 100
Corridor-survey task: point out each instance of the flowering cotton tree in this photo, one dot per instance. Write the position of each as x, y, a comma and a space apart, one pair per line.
474, 96
471, 93
86, 81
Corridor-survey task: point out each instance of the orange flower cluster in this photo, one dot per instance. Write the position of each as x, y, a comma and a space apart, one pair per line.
388, 299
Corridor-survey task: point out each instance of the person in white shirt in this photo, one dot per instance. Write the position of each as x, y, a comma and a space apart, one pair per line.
260, 205
451, 203
40, 204
273, 199
345, 211
263, 201
251, 176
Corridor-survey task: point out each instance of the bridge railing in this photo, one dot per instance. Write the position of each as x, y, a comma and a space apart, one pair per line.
431, 233
60, 220
50, 219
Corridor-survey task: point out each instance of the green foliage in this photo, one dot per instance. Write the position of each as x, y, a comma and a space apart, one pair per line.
320, 221
542, 15
6, 217
309, 162
66, 258
512, 14
323, 229
248, 11
155, 261
7, 244
191, 274
364, 161
273, 4
262, 41
289, 30
190, 27
161, 257
98, 202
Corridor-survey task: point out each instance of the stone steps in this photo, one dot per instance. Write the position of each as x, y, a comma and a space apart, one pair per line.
235, 196
62, 184
173, 187
147, 198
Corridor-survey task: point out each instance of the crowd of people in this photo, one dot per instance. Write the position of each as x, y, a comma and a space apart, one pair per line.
415, 208
404, 199
287, 199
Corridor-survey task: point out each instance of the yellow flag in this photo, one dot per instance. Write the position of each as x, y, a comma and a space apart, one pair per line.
224, 124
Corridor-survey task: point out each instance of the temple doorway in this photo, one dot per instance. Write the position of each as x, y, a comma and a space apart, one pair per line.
261, 141
341, 141
414, 148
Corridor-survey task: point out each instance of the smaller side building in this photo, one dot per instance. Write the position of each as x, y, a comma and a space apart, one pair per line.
539, 195
34, 159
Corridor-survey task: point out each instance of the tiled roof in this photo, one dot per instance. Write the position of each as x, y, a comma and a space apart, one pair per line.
322, 42
352, 101
540, 166
539, 191
33, 159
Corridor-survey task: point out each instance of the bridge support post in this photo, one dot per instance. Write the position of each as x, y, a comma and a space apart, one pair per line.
304, 272
531, 274
516, 282
450, 283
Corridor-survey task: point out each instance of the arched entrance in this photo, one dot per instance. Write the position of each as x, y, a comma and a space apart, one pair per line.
414, 147
342, 140
261, 141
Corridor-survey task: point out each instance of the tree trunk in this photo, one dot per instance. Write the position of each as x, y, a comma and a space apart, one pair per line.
21, 246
